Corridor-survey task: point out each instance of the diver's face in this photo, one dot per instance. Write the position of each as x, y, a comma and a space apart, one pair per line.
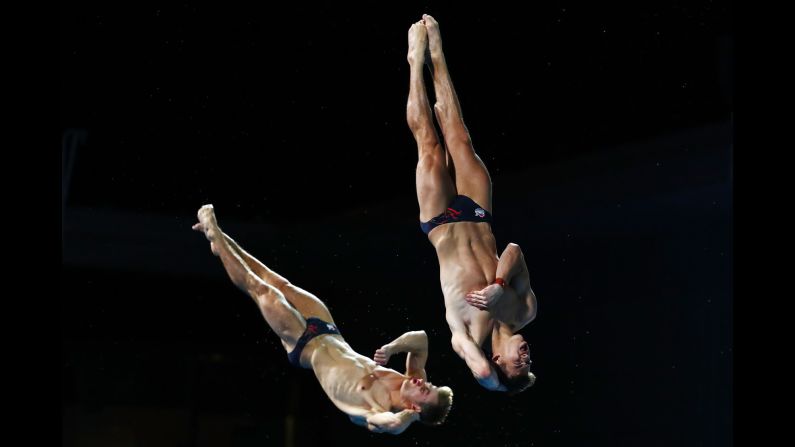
419, 392
515, 358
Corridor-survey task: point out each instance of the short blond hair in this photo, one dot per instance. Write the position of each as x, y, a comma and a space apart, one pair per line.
437, 413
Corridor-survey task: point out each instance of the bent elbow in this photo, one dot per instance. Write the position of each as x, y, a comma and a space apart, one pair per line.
515, 248
481, 371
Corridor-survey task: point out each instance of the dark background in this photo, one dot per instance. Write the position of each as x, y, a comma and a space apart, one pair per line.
608, 133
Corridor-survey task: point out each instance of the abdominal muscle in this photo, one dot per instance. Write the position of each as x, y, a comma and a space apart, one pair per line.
467, 253
347, 377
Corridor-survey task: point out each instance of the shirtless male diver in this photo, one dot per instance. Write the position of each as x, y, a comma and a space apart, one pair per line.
486, 297
379, 398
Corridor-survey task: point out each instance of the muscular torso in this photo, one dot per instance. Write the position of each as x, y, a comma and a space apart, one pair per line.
467, 253
352, 381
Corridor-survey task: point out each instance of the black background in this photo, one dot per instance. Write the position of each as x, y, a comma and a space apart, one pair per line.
607, 130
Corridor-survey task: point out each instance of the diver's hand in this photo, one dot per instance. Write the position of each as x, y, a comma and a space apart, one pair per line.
383, 354
486, 298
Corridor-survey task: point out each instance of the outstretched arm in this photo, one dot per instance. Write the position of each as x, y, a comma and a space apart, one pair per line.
511, 267
481, 368
415, 343
393, 423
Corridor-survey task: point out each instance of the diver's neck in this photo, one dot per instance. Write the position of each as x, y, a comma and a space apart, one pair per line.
396, 400
391, 379
499, 336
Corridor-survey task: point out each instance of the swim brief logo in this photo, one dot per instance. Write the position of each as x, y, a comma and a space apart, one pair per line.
480, 212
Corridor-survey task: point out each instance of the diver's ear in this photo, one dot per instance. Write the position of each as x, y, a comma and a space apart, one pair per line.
411, 405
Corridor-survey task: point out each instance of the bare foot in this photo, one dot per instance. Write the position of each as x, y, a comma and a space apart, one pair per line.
208, 225
434, 37
418, 42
